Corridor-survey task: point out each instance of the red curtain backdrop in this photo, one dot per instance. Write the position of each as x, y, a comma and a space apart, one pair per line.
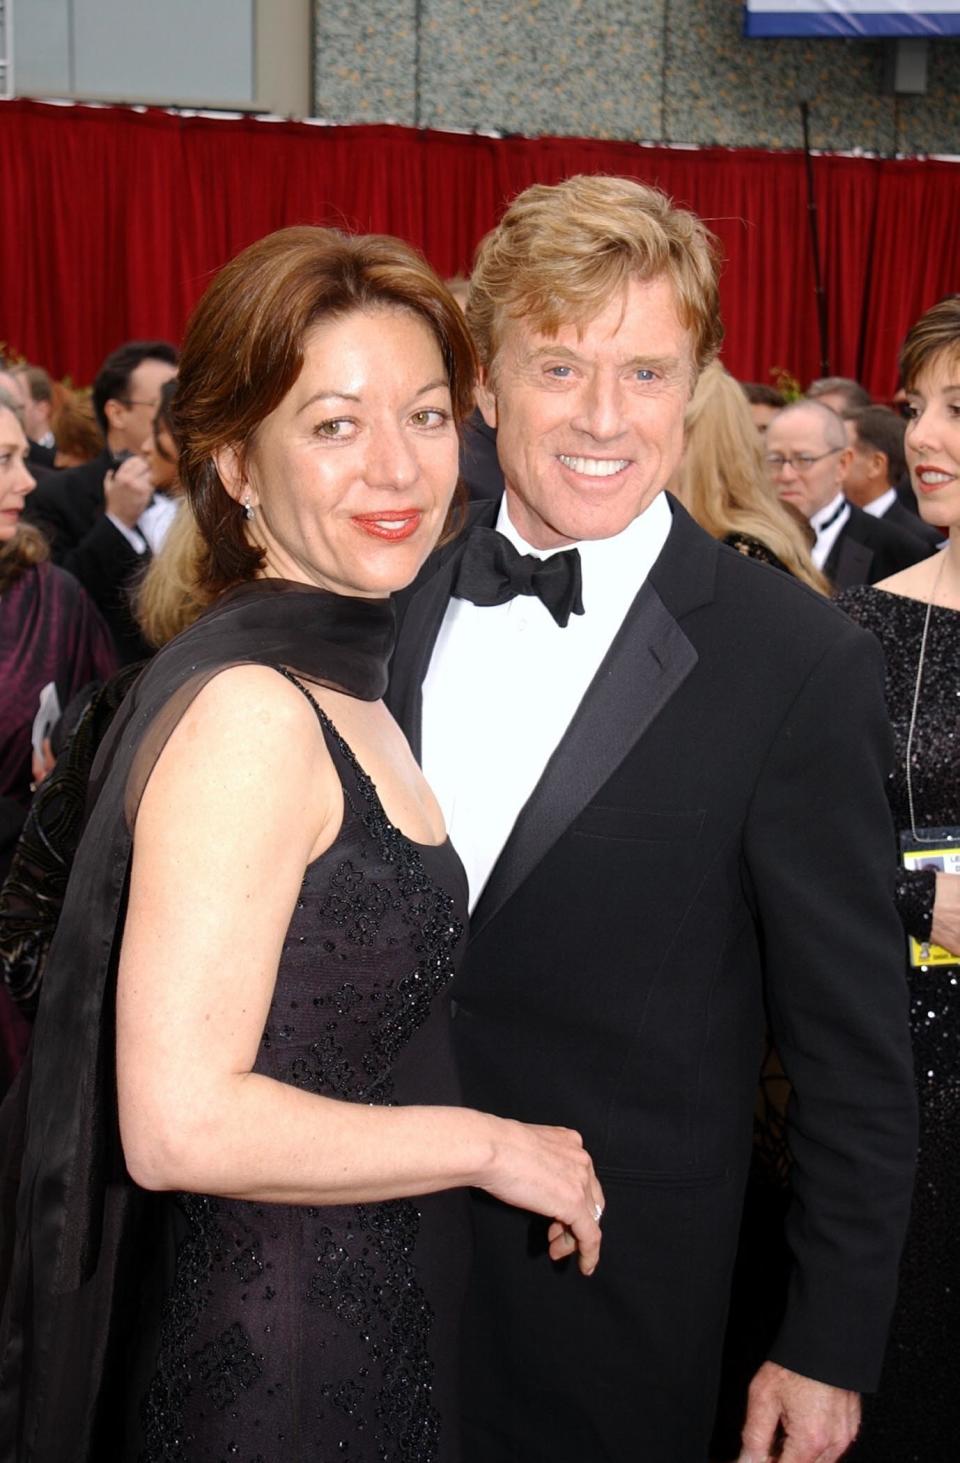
114, 220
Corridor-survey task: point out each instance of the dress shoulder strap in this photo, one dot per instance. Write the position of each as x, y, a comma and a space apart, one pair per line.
359, 788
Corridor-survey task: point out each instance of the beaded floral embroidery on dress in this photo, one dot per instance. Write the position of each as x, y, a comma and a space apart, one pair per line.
307, 1330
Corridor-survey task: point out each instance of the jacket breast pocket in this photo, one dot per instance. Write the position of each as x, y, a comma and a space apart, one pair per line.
640, 824
662, 1178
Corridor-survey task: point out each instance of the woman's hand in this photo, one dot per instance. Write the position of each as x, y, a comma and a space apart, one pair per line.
549, 1172
945, 929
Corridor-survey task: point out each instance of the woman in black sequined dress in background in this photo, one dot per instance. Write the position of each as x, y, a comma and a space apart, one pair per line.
241, 1231
915, 1418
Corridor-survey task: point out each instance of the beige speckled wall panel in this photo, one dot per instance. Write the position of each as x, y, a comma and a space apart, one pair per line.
365, 61
658, 70
588, 68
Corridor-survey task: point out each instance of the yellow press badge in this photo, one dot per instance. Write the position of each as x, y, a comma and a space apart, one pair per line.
937, 849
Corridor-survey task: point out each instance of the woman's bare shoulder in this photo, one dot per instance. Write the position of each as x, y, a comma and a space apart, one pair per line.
248, 736
251, 701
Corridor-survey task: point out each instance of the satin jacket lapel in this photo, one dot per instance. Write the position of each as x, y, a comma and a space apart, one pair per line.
420, 612
848, 562
648, 661
411, 659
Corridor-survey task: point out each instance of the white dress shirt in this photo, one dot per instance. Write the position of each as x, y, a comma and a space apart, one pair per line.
827, 525
505, 681
880, 505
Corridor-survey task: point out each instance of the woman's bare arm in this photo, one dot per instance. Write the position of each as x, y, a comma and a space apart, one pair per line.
242, 798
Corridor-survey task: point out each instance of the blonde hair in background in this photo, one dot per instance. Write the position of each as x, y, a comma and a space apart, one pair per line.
721, 480
169, 597
562, 252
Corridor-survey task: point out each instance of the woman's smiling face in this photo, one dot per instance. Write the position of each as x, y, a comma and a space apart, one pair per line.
351, 477
933, 439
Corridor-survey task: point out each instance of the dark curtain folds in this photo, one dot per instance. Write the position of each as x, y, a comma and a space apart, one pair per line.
115, 219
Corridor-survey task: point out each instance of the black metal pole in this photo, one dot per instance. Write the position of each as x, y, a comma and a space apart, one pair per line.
818, 287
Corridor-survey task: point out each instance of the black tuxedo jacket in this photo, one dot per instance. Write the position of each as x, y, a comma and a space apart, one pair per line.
68, 507
869, 549
38, 456
907, 522
708, 849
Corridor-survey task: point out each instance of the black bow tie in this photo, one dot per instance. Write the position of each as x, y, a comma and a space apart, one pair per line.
833, 517
492, 572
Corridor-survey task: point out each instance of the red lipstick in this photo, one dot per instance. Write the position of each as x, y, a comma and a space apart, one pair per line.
395, 525
923, 467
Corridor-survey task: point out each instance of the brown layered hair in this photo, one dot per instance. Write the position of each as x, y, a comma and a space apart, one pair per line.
75, 430
244, 351
561, 252
936, 333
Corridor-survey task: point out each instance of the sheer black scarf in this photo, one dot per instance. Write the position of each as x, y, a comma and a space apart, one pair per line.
71, 1241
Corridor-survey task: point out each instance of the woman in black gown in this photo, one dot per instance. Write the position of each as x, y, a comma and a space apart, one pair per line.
240, 1231
915, 1418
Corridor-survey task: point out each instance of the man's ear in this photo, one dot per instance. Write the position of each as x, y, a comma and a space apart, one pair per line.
230, 469
843, 465
487, 399
114, 410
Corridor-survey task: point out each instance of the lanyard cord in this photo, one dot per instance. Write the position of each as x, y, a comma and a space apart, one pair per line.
916, 703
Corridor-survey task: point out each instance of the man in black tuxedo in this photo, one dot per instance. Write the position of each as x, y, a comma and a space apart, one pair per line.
94, 515
808, 459
875, 437
663, 765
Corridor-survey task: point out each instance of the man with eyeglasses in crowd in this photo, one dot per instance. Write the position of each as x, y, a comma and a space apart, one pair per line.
98, 517
808, 458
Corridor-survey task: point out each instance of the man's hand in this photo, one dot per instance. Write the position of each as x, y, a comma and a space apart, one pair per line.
128, 490
945, 929
819, 1422
43, 763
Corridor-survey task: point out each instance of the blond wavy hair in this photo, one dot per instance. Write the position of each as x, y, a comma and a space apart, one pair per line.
169, 597
722, 481
561, 252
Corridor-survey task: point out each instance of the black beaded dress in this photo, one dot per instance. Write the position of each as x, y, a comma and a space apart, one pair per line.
331, 1333
915, 1417
185, 1327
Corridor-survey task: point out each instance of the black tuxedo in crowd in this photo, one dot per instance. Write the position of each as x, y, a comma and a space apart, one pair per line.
709, 849
69, 508
38, 456
869, 549
907, 522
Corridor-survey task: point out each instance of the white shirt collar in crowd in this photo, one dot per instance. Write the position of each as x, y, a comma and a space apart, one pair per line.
828, 523
880, 505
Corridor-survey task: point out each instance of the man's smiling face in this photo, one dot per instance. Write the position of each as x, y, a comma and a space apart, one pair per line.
590, 421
